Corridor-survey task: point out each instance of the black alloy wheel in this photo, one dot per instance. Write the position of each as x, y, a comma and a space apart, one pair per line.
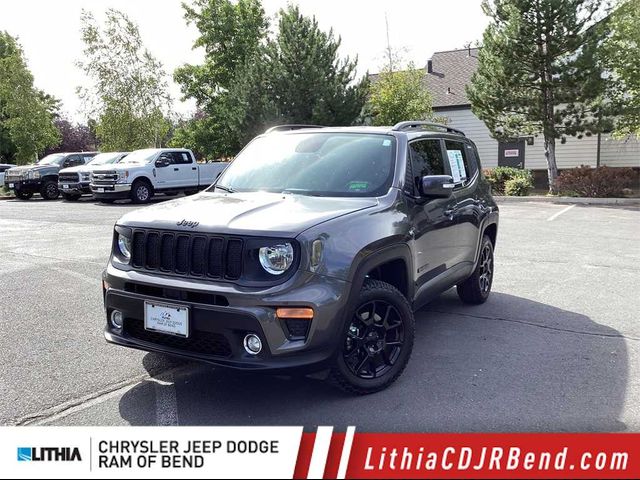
374, 340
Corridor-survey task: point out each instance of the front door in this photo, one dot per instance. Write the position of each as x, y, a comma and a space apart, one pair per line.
511, 153
432, 218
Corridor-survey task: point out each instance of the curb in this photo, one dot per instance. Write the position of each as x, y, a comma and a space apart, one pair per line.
570, 200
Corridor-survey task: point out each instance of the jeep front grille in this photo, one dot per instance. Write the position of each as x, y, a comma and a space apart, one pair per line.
185, 254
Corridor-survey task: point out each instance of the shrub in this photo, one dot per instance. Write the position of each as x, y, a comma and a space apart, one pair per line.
518, 186
585, 181
499, 176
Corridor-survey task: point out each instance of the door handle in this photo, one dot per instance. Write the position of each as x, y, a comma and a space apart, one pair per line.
193, 168
176, 169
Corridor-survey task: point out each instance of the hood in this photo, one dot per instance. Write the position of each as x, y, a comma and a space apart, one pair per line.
78, 169
21, 168
255, 213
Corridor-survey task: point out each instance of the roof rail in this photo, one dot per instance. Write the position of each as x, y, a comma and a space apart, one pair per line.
285, 128
416, 124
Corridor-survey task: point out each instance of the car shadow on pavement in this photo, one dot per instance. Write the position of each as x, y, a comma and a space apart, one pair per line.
511, 364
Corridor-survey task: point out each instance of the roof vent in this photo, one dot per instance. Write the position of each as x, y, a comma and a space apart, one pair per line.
430, 66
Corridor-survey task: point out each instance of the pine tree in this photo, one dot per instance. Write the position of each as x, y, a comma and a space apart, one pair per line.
538, 71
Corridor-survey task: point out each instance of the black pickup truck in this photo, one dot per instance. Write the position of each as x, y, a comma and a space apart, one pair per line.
42, 177
311, 252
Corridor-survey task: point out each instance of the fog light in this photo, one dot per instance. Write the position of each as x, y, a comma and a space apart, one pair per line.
116, 319
252, 344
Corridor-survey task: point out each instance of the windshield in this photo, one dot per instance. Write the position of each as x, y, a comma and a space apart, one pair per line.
323, 164
53, 159
140, 156
105, 158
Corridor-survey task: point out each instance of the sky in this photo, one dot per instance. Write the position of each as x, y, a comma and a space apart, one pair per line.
49, 32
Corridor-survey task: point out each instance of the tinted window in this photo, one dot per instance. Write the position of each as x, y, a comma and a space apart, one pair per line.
459, 156
324, 164
167, 158
426, 159
181, 158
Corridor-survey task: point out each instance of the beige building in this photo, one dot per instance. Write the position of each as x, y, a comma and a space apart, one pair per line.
447, 74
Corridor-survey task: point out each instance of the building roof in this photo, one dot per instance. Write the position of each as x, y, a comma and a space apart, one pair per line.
450, 73
446, 76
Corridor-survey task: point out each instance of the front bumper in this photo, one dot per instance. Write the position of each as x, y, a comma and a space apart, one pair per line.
117, 191
74, 188
221, 314
27, 186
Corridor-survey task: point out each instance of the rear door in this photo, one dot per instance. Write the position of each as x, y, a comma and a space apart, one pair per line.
184, 169
468, 209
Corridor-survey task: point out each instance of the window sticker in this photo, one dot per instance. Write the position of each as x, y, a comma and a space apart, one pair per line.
386, 143
358, 186
458, 172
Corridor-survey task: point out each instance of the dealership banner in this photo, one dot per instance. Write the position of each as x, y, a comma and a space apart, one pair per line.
287, 452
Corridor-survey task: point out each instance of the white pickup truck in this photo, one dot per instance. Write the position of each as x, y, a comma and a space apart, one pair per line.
144, 173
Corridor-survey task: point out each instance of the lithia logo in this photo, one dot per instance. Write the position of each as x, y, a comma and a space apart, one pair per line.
49, 454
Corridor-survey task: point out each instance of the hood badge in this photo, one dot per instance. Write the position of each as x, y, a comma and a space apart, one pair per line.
188, 223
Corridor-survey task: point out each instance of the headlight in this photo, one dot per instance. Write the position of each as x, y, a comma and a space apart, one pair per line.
34, 174
85, 176
123, 176
276, 259
124, 245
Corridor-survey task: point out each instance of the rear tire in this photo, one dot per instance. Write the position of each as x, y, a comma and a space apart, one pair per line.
476, 289
376, 341
23, 195
141, 191
49, 190
71, 197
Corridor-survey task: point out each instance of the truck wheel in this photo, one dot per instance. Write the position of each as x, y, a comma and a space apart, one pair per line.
23, 195
376, 342
49, 190
476, 289
141, 192
70, 197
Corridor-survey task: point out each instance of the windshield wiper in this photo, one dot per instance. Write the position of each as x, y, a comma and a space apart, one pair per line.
226, 189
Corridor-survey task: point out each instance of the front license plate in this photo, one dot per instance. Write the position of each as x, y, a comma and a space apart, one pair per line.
11, 185
100, 190
163, 318
65, 187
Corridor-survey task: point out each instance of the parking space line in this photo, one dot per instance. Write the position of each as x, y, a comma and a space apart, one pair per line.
166, 401
556, 215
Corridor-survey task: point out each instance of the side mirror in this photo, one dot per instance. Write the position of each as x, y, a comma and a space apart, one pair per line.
437, 186
162, 162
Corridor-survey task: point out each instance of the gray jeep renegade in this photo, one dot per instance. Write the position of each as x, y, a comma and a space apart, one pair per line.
310, 253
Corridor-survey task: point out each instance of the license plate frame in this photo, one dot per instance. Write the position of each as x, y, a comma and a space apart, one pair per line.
167, 318
100, 190
12, 185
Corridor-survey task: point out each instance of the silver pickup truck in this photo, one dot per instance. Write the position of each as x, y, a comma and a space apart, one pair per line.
144, 173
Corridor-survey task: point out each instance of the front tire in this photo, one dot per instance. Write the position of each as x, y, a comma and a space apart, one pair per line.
476, 289
23, 195
376, 342
141, 192
49, 190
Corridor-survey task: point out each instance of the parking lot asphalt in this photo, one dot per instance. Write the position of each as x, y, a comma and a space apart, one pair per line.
556, 347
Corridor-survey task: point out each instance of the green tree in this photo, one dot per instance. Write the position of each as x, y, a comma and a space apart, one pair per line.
538, 72
308, 79
232, 35
401, 95
620, 54
249, 81
129, 93
26, 113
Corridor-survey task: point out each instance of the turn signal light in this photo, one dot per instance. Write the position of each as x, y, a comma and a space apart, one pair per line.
304, 313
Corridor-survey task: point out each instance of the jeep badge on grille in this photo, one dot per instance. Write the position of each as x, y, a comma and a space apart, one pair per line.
188, 223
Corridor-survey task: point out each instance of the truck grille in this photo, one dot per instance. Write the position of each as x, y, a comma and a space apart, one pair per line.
10, 176
68, 178
104, 178
207, 343
192, 255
